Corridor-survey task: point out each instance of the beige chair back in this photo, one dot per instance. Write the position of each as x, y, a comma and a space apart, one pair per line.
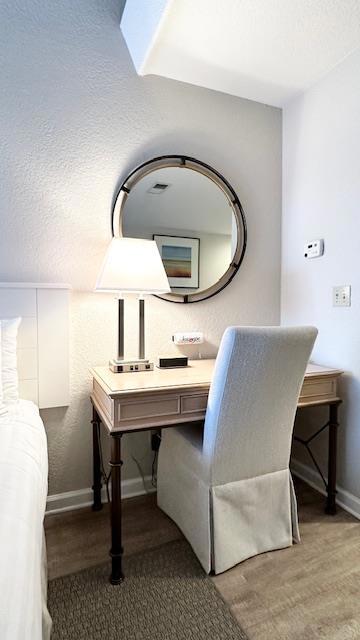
252, 402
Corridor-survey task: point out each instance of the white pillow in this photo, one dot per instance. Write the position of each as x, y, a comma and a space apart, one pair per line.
9, 330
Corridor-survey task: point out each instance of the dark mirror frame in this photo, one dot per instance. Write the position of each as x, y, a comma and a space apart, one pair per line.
196, 165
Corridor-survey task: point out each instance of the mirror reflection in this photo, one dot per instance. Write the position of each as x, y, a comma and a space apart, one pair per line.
192, 221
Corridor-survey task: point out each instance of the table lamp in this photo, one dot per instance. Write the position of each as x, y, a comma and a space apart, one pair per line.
132, 265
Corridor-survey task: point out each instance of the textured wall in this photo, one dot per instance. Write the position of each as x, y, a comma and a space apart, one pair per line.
75, 118
321, 200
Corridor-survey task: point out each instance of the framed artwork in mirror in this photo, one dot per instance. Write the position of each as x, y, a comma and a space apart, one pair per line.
180, 257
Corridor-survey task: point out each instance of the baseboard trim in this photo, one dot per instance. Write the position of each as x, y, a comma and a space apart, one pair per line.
344, 499
133, 487
71, 500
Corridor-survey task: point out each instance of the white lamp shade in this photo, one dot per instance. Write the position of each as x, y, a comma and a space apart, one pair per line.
132, 265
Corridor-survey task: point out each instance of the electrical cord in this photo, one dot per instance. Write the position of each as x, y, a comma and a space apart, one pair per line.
141, 473
106, 477
153, 470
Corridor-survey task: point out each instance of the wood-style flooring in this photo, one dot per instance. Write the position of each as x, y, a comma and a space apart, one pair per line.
310, 591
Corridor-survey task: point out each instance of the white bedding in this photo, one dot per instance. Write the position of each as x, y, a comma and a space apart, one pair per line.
23, 491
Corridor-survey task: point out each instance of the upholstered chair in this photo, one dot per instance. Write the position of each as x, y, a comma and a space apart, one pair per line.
227, 483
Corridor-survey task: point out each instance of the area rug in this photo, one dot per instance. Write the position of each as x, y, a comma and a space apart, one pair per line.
166, 595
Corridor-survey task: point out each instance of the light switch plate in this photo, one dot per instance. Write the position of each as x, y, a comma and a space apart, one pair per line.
342, 296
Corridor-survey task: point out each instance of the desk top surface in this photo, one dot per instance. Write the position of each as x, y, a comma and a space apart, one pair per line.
197, 374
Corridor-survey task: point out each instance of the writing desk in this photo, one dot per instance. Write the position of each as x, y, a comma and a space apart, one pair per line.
132, 402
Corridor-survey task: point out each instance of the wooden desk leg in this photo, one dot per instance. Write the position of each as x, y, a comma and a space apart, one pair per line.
331, 485
116, 550
97, 504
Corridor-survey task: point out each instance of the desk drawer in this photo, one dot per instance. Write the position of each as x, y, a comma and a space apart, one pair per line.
318, 389
194, 404
150, 408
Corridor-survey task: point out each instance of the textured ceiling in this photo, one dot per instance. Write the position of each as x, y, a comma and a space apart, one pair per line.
264, 50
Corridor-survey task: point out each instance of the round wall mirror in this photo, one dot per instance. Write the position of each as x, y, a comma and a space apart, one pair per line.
195, 217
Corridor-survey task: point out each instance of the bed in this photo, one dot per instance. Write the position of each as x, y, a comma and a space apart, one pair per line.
43, 382
23, 491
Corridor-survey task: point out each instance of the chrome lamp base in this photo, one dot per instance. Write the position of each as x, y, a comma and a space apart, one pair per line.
127, 366
119, 365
